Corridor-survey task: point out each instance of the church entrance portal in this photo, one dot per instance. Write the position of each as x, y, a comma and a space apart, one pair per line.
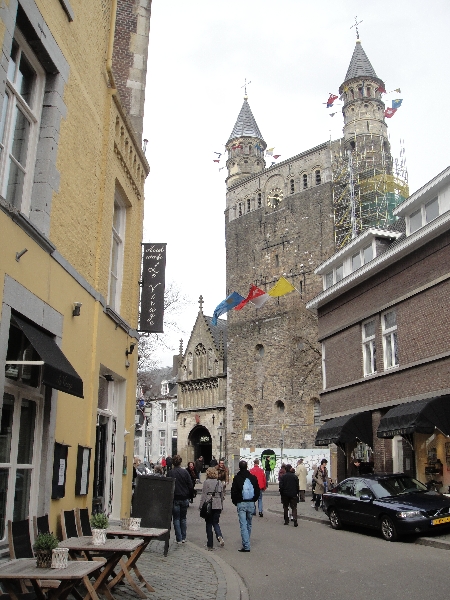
200, 439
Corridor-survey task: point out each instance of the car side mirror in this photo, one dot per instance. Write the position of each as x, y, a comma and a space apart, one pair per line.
366, 498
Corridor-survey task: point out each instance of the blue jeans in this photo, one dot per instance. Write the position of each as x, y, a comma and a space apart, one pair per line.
260, 504
212, 522
179, 513
245, 515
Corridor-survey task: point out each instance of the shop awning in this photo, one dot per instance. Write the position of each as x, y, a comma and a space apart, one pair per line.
346, 430
57, 372
420, 416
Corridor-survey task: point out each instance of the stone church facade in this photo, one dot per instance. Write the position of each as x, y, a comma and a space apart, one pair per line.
282, 221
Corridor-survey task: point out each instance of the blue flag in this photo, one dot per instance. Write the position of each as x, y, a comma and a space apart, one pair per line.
230, 302
396, 103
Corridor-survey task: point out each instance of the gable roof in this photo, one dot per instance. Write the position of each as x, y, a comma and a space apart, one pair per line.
217, 332
360, 65
246, 125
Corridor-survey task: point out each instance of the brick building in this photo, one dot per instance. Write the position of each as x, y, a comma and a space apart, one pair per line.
72, 174
384, 330
285, 220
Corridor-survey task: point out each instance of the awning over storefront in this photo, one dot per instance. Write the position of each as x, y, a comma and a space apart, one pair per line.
346, 430
57, 372
420, 416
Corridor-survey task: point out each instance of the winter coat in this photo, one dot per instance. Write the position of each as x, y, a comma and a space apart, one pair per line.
260, 476
209, 489
289, 485
198, 466
320, 477
223, 474
301, 472
238, 484
183, 483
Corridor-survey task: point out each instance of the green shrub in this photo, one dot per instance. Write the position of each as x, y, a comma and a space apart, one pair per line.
46, 541
99, 521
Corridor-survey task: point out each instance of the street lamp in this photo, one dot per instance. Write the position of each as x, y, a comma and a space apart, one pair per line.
220, 431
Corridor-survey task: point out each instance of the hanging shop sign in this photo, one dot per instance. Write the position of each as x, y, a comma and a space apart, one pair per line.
152, 291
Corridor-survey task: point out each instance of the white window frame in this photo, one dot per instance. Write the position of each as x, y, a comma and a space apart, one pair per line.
163, 412
174, 411
422, 212
324, 369
118, 238
369, 349
390, 340
32, 114
162, 446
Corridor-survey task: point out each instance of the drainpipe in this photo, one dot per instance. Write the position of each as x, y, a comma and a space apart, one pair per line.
112, 30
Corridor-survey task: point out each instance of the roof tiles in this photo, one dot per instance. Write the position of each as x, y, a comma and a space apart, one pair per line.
246, 125
360, 65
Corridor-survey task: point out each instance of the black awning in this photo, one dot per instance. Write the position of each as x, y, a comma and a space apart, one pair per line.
347, 429
420, 416
57, 371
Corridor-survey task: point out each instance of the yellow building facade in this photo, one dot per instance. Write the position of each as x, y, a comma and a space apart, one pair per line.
72, 175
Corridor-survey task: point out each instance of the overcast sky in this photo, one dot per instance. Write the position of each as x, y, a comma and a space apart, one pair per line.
295, 53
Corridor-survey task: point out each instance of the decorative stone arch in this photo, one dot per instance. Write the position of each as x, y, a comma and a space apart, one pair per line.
200, 366
304, 184
248, 417
316, 175
200, 439
280, 406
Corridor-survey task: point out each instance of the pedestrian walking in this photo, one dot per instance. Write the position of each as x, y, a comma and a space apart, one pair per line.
182, 494
353, 470
168, 463
163, 464
267, 469
213, 461
213, 488
281, 472
289, 490
199, 463
321, 479
262, 482
193, 473
223, 474
301, 472
244, 493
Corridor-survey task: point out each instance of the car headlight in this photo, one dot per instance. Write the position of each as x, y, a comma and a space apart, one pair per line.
409, 514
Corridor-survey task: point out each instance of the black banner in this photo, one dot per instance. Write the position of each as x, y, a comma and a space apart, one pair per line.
153, 285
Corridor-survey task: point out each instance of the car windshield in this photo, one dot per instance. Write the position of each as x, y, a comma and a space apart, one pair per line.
396, 485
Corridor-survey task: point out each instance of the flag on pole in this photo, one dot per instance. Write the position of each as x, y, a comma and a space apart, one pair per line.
390, 112
269, 151
281, 288
332, 114
381, 89
330, 100
276, 155
216, 160
230, 302
398, 90
254, 293
260, 300
396, 103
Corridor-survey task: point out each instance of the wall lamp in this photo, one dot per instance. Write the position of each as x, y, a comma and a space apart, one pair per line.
20, 254
130, 351
76, 309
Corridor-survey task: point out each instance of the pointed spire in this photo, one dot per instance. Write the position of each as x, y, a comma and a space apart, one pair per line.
180, 350
200, 301
360, 65
246, 125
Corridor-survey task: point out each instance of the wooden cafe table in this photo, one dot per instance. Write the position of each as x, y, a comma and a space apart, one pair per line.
25, 568
147, 534
115, 549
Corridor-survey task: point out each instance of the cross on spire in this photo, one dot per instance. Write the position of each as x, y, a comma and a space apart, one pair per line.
245, 88
356, 27
200, 301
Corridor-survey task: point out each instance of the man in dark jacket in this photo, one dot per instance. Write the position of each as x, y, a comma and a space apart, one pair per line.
199, 463
169, 463
244, 498
289, 490
183, 491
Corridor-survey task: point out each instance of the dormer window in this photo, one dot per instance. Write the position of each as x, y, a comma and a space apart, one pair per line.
431, 210
367, 254
423, 215
334, 276
415, 220
164, 388
356, 261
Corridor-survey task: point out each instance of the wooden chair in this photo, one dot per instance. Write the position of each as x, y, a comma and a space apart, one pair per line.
83, 523
69, 524
40, 525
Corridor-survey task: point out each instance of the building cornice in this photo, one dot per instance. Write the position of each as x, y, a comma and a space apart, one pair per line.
428, 188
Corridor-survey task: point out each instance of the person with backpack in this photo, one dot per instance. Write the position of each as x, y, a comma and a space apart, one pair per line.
244, 493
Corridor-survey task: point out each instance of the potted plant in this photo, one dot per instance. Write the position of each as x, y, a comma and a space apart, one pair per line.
43, 546
99, 524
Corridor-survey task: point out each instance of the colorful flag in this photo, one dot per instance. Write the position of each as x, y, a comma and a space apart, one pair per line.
330, 100
281, 288
260, 300
276, 155
230, 302
396, 103
254, 292
390, 112
332, 114
269, 151
381, 89
398, 90
216, 160
239, 146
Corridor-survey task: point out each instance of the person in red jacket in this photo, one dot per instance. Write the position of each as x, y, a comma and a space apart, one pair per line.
262, 482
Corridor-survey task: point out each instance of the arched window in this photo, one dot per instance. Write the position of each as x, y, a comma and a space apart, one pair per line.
316, 411
360, 91
259, 350
248, 205
292, 184
369, 91
279, 406
190, 363
305, 181
200, 361
249, 148
240, 209
248, 417
352, 93
318, 178
259, 199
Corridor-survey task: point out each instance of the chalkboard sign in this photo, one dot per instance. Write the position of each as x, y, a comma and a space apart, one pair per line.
83, 468
59, 471
153, 501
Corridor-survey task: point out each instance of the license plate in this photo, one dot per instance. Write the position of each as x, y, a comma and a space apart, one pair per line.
440, 521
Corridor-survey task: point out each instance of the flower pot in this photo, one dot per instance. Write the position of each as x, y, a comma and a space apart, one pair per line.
135, 524
59, 558
98, 537
43, 559
125, 523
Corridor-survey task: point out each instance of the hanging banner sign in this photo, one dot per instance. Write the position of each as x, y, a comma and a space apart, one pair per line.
153, 285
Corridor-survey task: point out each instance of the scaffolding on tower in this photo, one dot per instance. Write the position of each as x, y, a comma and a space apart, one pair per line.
367, 185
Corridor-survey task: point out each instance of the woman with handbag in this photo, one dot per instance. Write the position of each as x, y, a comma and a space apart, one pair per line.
212, 494
193, 473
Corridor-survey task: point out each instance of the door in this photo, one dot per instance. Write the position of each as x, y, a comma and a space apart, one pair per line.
343, 499
365, 513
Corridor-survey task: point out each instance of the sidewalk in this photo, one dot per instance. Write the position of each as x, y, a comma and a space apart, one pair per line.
307, 512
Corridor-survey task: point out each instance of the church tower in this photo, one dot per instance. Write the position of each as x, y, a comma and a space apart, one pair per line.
245, 147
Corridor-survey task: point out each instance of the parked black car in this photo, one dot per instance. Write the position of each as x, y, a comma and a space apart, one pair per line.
396, 504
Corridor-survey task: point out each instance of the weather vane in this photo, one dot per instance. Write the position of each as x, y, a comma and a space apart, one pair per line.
245, 87
356, 27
